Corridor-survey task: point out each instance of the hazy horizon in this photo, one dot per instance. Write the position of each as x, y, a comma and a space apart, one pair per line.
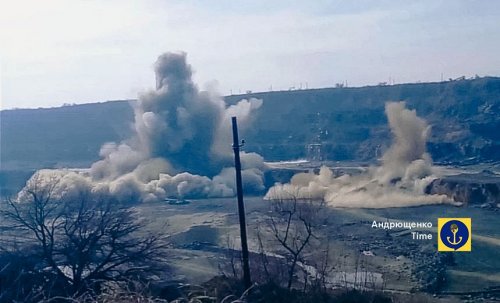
90, 102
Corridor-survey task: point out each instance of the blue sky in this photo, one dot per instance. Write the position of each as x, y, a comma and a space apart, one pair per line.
77, 51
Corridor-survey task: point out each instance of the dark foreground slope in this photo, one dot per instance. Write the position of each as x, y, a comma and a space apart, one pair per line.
343, 123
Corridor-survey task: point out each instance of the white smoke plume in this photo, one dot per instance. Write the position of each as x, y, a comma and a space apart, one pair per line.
181, 146
401, 179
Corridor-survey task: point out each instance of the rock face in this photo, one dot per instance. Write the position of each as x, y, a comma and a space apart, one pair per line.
473, 189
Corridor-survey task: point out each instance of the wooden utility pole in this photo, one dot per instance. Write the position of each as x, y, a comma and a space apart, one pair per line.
241, 206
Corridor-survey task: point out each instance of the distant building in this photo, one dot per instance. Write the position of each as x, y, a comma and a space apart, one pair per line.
314, 152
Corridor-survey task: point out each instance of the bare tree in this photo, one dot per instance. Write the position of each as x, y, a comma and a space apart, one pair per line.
232, 255
83, 240
292, 222
323, 267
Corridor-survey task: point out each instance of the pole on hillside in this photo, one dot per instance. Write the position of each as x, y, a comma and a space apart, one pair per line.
241, 206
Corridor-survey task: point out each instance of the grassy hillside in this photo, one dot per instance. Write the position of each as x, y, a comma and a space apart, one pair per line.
68, 135
351, 124
348, 122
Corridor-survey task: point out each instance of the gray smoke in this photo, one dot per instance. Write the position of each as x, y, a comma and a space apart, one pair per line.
181, 146
401, 179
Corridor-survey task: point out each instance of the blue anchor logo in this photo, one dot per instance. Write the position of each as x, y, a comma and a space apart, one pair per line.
454, 234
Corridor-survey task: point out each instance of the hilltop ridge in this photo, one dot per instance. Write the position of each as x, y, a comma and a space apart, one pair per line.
346, 124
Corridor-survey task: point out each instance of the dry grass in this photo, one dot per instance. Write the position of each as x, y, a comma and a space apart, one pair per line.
119, 293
